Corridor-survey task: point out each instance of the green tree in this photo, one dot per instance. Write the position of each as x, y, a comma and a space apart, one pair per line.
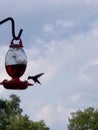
19, 123
13, 106
84, 120
2, 115
40, 125
11, 117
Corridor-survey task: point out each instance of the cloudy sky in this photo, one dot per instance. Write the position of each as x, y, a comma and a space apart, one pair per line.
60, 38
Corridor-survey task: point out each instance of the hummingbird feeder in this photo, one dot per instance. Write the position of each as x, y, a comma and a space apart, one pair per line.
15, 62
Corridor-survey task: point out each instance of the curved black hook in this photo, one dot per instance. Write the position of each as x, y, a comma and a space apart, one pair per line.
13, 28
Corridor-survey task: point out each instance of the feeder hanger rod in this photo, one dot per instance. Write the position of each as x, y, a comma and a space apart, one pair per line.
13, 28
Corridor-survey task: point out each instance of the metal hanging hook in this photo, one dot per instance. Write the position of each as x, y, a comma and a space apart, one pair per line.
13, 28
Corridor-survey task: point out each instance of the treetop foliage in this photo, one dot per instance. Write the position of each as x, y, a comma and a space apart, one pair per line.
84, 120
11, 117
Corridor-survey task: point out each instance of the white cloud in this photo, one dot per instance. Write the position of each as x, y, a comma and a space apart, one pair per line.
85, 79
89, 72
49, 58
47, 113
74, 98
3, 73
54, 114
75, 53
65, 23
1, 89
48, 29
80, 72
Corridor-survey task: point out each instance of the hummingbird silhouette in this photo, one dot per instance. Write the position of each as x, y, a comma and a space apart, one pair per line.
35, 78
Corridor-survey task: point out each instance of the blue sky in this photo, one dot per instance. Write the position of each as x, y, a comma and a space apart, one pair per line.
60, 38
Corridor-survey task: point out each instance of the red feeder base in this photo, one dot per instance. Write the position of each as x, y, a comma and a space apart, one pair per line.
16, 84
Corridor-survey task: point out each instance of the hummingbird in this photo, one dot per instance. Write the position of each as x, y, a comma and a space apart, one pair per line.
35, 78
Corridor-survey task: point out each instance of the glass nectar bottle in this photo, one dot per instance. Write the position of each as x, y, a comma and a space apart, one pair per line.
15, 60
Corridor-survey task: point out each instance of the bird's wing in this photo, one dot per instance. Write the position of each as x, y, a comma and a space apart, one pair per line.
39, 75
